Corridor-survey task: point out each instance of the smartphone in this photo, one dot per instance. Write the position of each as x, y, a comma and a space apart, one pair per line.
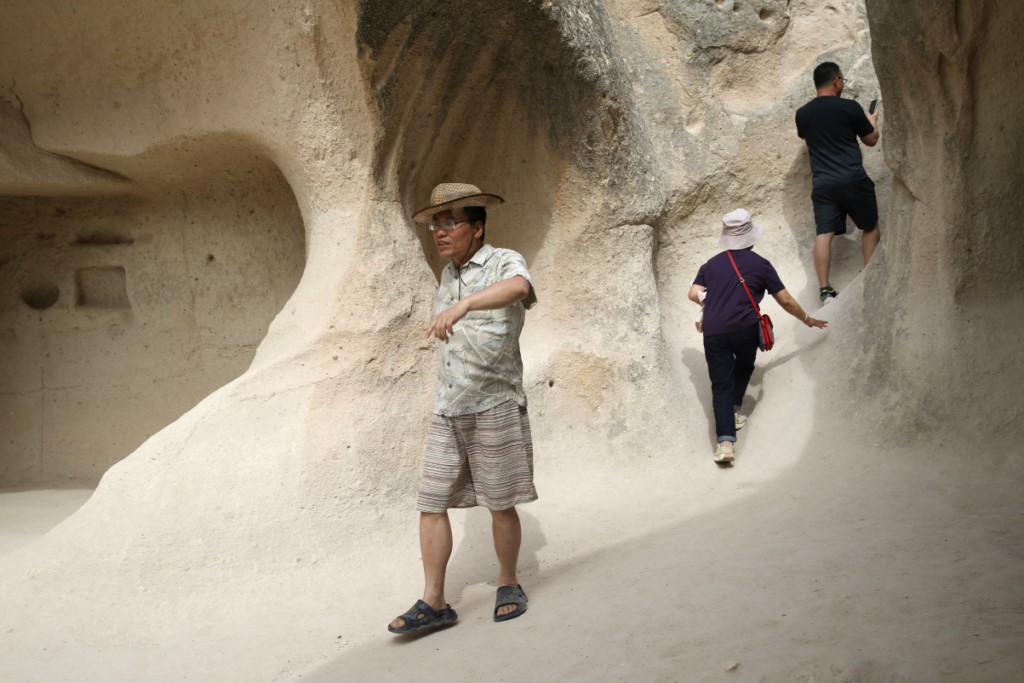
871, 107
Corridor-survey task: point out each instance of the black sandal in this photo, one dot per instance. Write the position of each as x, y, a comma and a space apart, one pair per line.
510, 595
423, 617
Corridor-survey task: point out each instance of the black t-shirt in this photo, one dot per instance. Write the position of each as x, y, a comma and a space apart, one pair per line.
728, 308
831, 126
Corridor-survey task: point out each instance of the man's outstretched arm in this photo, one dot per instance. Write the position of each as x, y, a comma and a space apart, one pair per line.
499, 295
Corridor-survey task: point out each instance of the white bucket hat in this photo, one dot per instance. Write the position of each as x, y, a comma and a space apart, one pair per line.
738, 231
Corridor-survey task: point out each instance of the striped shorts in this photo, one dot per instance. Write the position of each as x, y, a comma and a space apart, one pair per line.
478, 459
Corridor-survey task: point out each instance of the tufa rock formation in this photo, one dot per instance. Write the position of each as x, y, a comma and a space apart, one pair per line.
215, 297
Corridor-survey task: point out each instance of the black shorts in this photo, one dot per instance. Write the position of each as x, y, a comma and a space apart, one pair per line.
833, 203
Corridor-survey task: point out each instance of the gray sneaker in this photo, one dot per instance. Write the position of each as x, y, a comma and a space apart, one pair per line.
826, 294
724, 453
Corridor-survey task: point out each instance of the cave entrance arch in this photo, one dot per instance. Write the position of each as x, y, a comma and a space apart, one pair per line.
129, 297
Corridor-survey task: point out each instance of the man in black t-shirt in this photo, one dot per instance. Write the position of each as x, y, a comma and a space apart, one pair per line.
831, 125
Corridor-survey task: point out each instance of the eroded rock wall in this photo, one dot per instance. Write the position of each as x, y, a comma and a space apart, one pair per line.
619, 137
128, 303
941, 337
619, 132
170, 126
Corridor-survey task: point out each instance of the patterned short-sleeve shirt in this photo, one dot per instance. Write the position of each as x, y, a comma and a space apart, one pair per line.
480, 366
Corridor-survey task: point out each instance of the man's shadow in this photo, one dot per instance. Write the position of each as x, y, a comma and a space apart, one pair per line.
474, 560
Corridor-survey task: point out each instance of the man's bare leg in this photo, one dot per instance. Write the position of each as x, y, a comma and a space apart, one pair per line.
436, 549
508, 536
823, 257
869, 240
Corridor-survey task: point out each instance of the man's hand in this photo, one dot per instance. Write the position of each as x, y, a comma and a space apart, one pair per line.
872, 138
498, 295
443, 326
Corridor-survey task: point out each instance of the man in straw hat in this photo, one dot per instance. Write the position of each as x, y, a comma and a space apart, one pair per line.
479, 450
730, 323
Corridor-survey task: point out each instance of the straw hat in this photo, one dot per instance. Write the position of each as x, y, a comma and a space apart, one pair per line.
738, 230
454, 195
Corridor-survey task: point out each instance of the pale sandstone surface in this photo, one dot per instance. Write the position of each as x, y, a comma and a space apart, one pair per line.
270, 528
27, 514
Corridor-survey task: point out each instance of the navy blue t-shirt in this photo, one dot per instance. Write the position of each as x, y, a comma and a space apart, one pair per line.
831, 126
727, 308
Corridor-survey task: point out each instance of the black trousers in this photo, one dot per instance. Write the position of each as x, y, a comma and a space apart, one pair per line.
730, 358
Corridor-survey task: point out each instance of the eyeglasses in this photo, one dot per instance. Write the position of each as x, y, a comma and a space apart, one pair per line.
447, 225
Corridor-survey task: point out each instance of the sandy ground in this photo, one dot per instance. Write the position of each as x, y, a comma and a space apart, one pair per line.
823, 555
849, 563
855, 565
826, 557
27, 514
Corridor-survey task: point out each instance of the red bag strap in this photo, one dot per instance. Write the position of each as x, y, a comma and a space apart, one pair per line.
743, 282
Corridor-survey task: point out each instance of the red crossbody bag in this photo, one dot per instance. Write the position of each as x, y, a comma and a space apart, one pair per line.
765, 335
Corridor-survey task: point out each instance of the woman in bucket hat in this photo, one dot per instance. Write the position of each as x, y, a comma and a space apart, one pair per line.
730, 321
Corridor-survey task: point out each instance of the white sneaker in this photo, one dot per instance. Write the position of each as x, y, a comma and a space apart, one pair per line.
724, 453
741, 420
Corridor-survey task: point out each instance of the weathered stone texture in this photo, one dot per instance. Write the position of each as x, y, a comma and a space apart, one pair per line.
194, 179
